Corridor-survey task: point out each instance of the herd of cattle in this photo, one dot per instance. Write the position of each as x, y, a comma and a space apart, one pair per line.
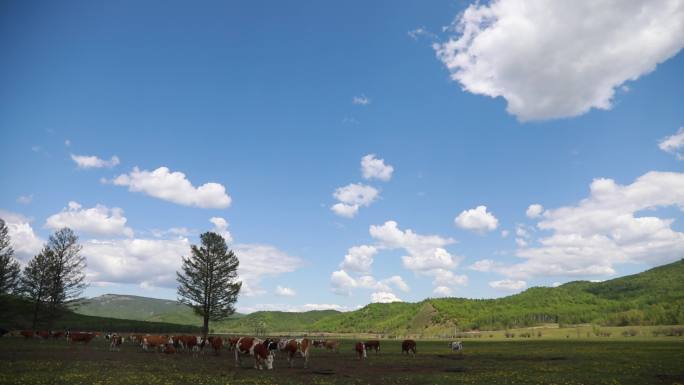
264, 351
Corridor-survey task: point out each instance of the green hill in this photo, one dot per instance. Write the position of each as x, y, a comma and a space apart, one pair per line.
653, 297
134, 307
17, 313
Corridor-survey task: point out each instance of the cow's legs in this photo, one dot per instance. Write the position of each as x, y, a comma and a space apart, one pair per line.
237, 358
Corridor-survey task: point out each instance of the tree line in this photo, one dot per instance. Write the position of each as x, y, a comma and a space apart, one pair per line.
54, 279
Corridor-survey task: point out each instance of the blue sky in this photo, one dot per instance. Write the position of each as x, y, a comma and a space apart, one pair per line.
278, 104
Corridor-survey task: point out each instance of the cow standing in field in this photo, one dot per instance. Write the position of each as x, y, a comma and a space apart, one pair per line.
408, 347
192, 343
360, 349
373, 345
216, 344
44, 334
232, 341
80, 337
57, 335
301, 346
27, 333
333, 345
255, 348
115, 342
456, 346
155, 342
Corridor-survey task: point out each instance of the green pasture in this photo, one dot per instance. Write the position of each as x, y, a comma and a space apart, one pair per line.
545, 360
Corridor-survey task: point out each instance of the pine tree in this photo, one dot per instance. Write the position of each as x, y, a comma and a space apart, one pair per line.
37, 280
208, 280
9, 267
67, 276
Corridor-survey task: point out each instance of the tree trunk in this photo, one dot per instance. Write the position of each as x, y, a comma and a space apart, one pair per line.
35, 315
205, 327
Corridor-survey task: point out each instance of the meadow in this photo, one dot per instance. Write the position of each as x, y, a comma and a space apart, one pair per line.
496, 360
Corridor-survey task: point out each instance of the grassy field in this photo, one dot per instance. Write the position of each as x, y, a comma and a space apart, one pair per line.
520, 361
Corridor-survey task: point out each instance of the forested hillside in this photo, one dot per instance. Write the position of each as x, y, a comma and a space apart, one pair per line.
653, 297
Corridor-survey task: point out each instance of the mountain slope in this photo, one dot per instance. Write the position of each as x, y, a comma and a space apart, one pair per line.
653, 297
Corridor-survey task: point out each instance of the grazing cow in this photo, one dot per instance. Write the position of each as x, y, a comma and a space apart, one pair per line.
27, 333
333, 345
373, 345
155, 342
456, 346
318, 343
115, 342
273, 345
408, 347
80, 337
360, 349
301, 346
255, 348
137, 339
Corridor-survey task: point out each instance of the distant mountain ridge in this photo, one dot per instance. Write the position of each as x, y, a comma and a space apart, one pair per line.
653, 297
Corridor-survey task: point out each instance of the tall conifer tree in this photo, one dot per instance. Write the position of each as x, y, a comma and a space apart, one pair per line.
207, 281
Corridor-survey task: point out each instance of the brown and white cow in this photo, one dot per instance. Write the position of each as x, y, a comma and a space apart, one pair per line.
27, 333
57, 335
373, 345
301, 346
169, 349
84, 337
192, 343
255, 348
216, 344
333, 345
360, 349
44, 334
155, 342
408, 347
115, 342
232, 341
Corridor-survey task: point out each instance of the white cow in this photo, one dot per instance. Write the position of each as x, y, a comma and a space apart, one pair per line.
456, 346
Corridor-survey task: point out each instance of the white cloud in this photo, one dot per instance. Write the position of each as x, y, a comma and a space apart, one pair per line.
67, 142
25, 242
442, 291
351, 197
285, 291
443, 277
477, 219
374, 168
674, 144
25, 199
174, 187
345, 210
556, 284
361, 100
154, 262
99, 220
554, 59
290, 308
508, 285
504, 233
342, 283
258, 261
147, 262
485, 265
520, 242
420, 31
221, 228
92, 161
384, 297
359, 258
426, 252
616, 224
534, 210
